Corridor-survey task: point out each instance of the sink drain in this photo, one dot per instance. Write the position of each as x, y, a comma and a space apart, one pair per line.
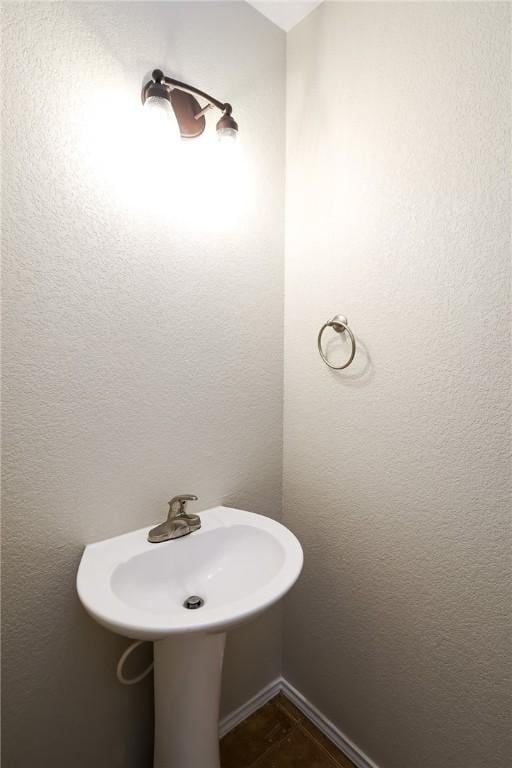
193, 602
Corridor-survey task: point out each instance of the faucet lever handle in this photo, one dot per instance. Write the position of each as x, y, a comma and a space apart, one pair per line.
178, 503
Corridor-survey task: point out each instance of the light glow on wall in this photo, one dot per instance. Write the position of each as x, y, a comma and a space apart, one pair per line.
134, 159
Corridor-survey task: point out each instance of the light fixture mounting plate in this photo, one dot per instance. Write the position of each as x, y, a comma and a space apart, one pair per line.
186, 107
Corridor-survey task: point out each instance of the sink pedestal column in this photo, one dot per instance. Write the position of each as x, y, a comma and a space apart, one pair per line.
187, 679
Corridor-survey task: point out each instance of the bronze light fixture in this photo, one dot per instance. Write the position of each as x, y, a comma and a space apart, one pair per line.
190, 115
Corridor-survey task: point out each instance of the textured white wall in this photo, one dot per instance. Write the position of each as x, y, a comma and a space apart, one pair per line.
397, 471
143, 342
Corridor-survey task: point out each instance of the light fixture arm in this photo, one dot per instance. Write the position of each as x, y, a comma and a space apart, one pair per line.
159, 77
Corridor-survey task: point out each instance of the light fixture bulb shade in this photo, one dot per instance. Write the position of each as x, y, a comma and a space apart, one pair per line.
227, 135
164, 129
227, 128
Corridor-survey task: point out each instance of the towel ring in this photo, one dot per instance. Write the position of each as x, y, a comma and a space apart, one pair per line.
340, 324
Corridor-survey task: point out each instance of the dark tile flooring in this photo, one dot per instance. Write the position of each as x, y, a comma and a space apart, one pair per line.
279, 736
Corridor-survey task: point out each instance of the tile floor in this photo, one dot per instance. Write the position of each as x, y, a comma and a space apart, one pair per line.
279, 736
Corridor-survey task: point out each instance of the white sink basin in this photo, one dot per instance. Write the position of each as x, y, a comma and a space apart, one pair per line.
238, 562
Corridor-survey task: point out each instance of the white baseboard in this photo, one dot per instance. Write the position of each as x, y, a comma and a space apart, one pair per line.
242, 713
324, 725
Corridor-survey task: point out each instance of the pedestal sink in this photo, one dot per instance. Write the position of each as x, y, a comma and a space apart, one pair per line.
238, 563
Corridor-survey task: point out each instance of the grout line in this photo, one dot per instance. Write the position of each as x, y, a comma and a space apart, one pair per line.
273, 748
270, 749
312, 738
294, 718
275, 744
278, 743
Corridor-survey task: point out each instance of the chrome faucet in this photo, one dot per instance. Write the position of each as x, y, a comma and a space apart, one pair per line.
179, 522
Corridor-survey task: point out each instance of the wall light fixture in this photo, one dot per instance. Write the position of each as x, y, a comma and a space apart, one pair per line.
190, 115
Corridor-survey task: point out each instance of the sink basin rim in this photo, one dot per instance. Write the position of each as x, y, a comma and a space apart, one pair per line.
100, 560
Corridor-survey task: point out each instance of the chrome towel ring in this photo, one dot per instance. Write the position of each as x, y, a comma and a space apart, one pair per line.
339, 323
